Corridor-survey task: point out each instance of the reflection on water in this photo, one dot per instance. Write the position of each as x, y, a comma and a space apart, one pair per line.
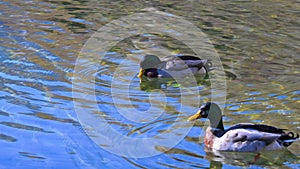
270, 158
257, 42
149, 84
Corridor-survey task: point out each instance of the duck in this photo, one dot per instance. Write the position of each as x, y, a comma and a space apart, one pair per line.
242, 137
152, 66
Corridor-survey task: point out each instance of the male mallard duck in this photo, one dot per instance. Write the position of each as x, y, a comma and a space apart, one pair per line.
246, 137
173, 66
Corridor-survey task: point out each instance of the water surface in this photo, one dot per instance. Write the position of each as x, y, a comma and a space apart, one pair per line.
257, 42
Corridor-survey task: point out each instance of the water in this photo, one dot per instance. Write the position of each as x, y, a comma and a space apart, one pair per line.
257, 42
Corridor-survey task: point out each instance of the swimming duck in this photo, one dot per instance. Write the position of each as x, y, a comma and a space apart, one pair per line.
243, 137
173, 66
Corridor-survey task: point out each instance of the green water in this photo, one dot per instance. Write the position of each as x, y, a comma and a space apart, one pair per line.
257, 43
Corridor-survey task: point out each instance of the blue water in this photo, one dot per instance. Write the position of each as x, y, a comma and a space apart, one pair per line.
40, 42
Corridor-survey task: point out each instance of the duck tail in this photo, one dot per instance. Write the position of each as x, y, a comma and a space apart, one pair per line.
288, 138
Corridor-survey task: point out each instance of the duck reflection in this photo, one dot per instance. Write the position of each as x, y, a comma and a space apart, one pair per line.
267, 158
149, 84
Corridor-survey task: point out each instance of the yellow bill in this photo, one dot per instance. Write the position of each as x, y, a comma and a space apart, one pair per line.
141, 73
195, 116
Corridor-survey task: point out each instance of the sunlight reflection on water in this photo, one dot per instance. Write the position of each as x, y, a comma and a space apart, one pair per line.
257, 42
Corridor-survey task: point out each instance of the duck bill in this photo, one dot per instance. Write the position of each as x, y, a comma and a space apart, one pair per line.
142, 71
195, 116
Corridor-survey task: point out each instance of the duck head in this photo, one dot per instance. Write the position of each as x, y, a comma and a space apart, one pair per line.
149, 65
211, 111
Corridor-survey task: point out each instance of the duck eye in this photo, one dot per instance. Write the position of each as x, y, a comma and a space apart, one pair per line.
203, 112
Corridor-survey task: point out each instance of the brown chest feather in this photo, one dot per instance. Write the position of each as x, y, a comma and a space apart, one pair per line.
209, 139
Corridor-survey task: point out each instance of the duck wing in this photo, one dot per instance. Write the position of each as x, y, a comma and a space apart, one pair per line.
241, 139
254, 137
194, 61
178, 63
258, 127
182, 57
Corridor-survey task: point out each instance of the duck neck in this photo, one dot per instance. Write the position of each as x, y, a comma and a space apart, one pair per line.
217, 123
